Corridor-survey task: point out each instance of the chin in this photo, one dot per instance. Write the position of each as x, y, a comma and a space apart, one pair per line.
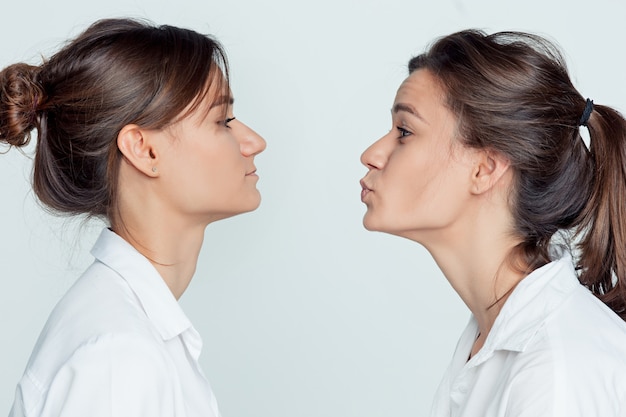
371, 224
251, 205
368, 226
233, 211
255, 203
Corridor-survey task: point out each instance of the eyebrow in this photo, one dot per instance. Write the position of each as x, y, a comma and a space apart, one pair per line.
221, 100
398, 107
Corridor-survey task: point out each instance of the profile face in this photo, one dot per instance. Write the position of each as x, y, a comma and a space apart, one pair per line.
418, 178
208, 169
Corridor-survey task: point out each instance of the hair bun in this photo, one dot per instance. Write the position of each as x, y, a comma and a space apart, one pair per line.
20, 97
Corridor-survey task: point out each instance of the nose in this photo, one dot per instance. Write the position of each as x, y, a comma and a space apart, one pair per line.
250, 142
376, 156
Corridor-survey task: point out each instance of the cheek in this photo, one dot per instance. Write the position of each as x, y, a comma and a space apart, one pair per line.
207, 171
417, 189
410, 178
221, 165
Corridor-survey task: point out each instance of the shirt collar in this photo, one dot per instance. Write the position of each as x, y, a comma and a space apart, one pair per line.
529, 305
153, 294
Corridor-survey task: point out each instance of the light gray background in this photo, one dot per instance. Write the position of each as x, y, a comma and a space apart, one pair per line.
303, 312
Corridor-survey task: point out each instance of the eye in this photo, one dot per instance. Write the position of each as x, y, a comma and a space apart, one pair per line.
402, 132
227, 121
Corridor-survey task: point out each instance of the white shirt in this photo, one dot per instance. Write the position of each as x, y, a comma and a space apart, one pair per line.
554, 350
117, 344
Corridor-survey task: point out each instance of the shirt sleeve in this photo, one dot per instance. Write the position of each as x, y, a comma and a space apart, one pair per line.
121, 376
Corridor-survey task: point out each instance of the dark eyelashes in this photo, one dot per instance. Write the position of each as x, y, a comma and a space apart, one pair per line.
403, 132
228, 120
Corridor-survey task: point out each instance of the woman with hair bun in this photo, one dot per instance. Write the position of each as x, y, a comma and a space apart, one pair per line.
134, 125
485, 166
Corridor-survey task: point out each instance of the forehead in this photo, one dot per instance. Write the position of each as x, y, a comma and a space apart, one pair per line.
216, 91
215, 95
421, 87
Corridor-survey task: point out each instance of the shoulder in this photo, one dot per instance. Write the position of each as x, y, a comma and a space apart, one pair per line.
97, 315
584, 329
124, 357
545, 384
112, 373
100, 302
575, 363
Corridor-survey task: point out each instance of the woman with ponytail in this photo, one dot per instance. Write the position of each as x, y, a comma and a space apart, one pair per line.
134, 125
485, 166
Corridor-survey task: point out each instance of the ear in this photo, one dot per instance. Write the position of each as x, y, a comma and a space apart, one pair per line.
489, 169
138, 150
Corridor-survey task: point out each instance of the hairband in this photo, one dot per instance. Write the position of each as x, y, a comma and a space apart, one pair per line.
586, 113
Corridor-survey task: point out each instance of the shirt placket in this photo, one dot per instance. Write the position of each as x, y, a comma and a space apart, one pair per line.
460, 388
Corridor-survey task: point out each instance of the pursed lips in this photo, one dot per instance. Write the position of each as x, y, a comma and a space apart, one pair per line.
364, 189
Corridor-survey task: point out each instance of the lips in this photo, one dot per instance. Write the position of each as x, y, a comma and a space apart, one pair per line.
364, 190
253, 172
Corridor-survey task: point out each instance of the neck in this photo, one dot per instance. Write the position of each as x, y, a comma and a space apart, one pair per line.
474, 256
173, 251
167, 233
169, 239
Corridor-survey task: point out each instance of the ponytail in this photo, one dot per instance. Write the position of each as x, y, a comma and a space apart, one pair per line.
511, 94
602, 229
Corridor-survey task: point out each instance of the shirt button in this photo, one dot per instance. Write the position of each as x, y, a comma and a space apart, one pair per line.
463, 389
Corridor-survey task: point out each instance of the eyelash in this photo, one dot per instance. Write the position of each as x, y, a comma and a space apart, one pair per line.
228, 120
403, 132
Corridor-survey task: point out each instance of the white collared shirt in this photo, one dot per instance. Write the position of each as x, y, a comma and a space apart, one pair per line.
117, 344
554, 350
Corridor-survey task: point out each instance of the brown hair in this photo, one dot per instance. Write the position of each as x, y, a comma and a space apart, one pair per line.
117, 72
512, 94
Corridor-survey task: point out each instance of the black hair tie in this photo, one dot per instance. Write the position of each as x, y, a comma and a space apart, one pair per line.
586, 113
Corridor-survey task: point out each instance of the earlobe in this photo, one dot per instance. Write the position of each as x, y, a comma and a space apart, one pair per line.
488, 171
138, 150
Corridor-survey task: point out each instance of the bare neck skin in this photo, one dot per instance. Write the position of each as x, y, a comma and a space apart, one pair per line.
478, 271
472, 254
170, 240
172, 250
